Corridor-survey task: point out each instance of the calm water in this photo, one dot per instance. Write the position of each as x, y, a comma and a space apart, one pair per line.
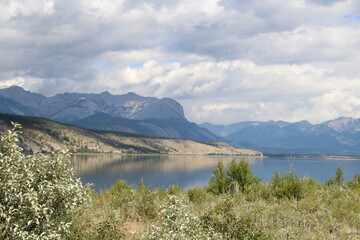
103, 170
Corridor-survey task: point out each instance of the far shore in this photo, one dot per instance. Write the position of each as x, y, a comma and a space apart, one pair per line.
328, 157
287, 156
163, 154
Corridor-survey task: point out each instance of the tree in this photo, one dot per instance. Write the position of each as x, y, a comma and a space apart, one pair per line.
37, 192
338, 179
219, 180
238, 177
339, 175
240, 174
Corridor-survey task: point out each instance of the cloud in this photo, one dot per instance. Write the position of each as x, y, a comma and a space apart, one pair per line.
19, 81
325, 2
224, 60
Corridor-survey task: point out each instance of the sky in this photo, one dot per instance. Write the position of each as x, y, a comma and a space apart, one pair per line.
225, 61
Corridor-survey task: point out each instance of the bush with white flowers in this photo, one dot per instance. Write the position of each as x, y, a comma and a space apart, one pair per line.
37, 192
178, 223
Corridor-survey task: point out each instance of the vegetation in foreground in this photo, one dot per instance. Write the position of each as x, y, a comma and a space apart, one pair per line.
38, 193
234, 205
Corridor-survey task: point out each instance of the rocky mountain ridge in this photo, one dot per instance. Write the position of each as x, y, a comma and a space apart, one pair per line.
68, 107
128, 112
340, 136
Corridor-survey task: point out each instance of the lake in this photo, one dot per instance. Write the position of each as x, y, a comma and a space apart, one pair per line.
188, 171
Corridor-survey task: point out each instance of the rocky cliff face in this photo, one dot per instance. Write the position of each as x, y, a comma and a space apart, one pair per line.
343, 124
69, 107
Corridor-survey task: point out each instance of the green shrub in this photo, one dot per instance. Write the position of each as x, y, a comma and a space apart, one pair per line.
240, 176
237, 178
174, 189
145, 200
354, 183
37, 192
196, 194
226, 219
288, 186
96, 222
119, 194
219, 181
338, 178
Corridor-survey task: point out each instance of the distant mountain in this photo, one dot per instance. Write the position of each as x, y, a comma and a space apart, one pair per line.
43, 135
10, 106
340, 136
25, 98
155, 117
343, 124
67, 107
174, 128
225, 130
103, 121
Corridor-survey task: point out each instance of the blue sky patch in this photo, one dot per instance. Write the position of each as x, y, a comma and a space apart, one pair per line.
352, 17
139, 64
100, 64
173, 61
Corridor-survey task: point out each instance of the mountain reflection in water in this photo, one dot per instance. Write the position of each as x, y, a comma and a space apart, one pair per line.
157, 170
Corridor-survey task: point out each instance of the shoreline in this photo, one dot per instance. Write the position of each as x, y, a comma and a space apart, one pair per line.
328, 157
164, 154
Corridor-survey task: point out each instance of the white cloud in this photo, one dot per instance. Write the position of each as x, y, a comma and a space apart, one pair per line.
19, 81
226, 61
331, 105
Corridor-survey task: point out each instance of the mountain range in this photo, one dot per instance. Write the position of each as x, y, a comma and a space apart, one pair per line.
126, 113
165, 117
340, 136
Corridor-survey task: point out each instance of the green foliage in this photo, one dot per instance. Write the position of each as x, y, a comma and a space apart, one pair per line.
219, 181
119, 194
145, 201
177, 223
225, 220
237, 178
174, 189
338, 179
355, 182
240, 176
288, 207
288, 186
37, 193
196, 194
90, 224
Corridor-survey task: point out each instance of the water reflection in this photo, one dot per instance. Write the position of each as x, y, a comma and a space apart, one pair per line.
187, 171
157, 170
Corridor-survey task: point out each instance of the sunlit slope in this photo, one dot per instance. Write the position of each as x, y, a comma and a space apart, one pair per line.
43, 135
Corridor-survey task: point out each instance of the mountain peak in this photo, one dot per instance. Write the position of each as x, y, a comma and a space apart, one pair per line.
16, 87
132, 94
106, 93
21, 96
342, 124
